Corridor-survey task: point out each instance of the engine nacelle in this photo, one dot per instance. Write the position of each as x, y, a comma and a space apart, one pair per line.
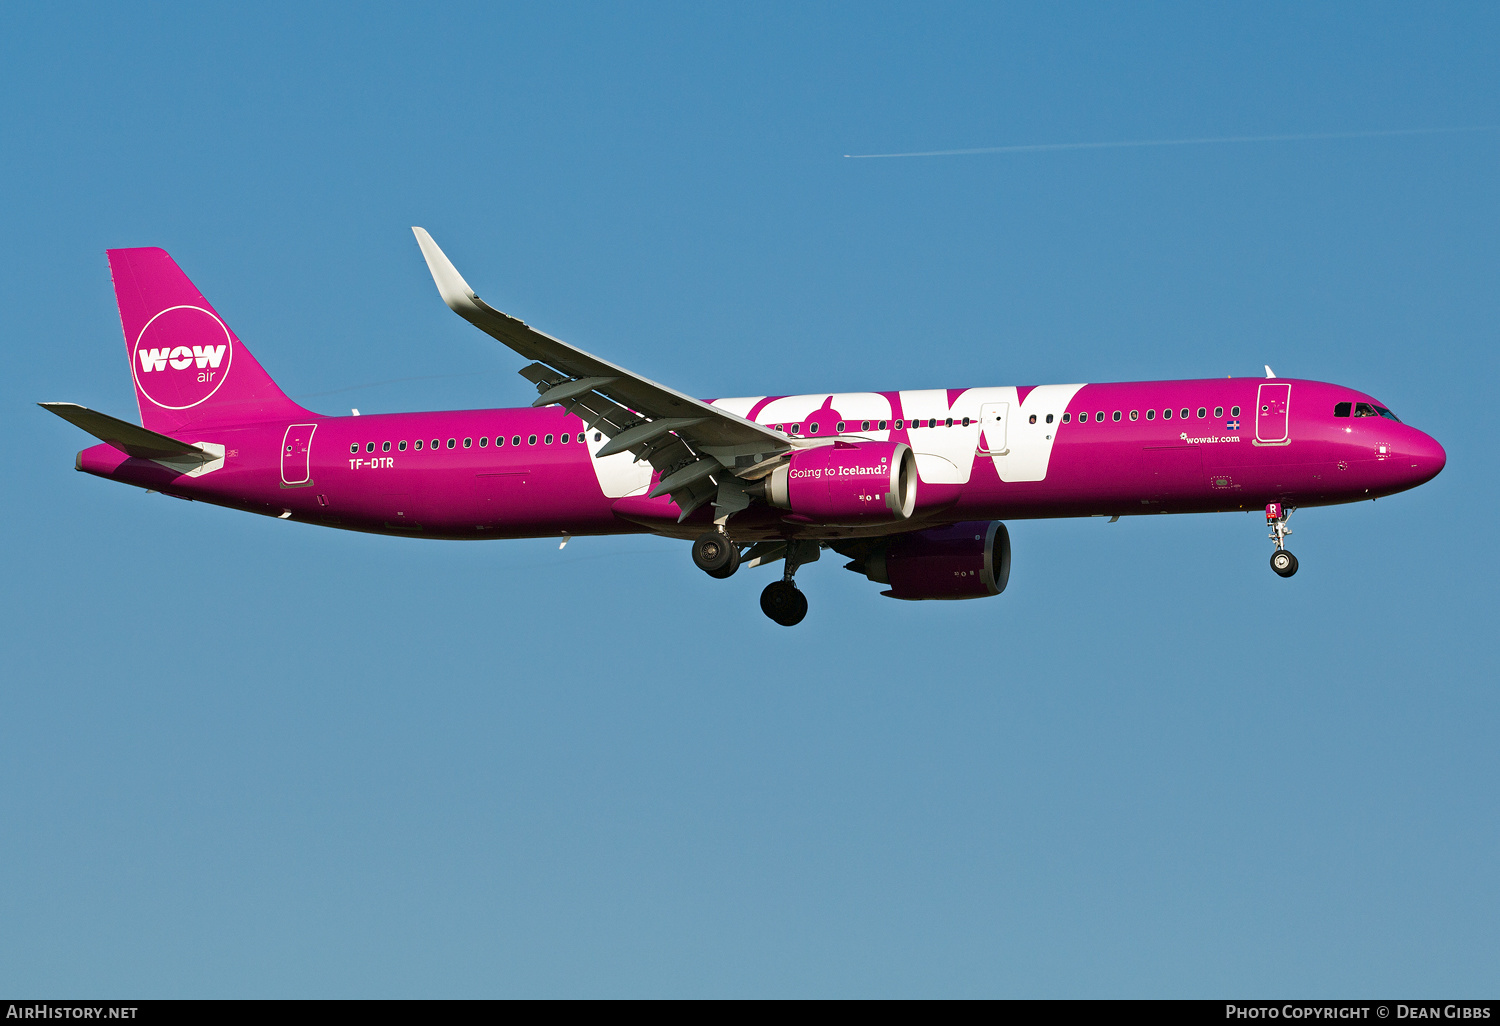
847, 482
959, 561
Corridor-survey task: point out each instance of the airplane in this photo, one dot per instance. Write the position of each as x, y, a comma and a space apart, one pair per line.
912, 487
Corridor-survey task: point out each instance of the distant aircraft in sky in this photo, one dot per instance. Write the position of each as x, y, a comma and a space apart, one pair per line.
909, 486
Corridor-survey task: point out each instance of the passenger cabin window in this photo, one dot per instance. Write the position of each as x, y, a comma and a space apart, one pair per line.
385, 446
369, 447
1185, 412
437, 444
1234, 411
1067, 418
483, 441
1342, 409
812, 429
402, 446
355, 446
418, 445
864, 425
1049, 418
468, 443
948, 423
1166, 414
516, 439
839, 427
1135, 414
1202, 412
1115, 416
1150, 414
549, 439
565, 439
1218, 411
1099, 417
499, 441
531, 439
898, 424
452, 442
1032, 419
882, 425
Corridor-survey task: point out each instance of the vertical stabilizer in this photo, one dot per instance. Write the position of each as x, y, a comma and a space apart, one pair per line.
189, 368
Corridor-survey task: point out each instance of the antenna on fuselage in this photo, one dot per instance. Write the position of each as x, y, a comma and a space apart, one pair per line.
1269, 372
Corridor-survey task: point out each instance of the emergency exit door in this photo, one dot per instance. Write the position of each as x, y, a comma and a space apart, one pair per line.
1272, 414
296, 455
992, 427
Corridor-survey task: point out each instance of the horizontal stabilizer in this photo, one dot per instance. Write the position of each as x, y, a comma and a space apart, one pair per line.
131, 439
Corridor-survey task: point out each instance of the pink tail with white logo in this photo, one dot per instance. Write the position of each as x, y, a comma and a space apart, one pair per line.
189, 368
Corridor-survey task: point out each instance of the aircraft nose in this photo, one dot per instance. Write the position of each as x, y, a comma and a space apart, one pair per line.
1426, 457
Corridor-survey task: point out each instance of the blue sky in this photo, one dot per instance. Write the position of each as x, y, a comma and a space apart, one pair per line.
241, 757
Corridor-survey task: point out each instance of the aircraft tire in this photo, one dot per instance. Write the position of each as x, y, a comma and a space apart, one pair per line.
713, 551
783, 602
1284, 563
728, 569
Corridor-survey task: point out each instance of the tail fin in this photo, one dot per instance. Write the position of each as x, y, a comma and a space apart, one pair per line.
189, 368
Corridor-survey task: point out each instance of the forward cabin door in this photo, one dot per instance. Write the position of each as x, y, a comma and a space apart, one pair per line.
1272, 414
296, 456
992, 418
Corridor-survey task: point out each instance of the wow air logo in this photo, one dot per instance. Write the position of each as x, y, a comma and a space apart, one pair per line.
181, 357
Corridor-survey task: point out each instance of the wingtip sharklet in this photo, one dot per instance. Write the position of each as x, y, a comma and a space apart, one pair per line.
450, 284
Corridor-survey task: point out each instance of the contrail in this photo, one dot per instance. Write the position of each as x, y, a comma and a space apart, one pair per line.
392, 381
1205, 140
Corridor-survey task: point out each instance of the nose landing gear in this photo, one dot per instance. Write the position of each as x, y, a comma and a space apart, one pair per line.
1282, 561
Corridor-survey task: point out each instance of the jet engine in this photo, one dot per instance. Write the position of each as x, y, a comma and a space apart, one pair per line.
846, 482
957, 561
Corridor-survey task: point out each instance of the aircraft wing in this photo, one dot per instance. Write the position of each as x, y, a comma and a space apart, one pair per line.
690, 442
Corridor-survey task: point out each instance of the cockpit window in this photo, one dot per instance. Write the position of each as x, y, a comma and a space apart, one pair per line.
1387, 414
1365, 410
1342, 409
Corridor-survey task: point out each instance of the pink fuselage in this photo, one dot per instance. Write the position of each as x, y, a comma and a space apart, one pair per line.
321, 470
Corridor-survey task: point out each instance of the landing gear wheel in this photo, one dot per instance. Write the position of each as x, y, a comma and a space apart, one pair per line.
713, 552
1283, 562
728, 569
784, 603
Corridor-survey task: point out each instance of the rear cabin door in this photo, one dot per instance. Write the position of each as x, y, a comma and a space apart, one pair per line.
1272, 407
992, 418
296, 455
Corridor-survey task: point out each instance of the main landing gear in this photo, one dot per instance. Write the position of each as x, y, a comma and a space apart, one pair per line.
1282, 561
716, 555
782, 601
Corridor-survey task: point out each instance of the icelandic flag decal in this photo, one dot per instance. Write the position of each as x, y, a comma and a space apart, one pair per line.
1233, 425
